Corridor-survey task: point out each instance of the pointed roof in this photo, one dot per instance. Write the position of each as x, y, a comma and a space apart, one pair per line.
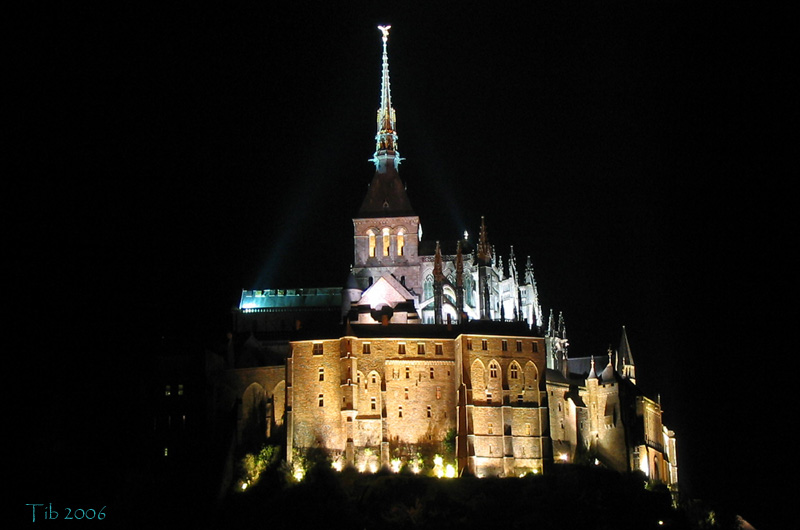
625, 356
387, 195
386, 291
625, 364
608, 374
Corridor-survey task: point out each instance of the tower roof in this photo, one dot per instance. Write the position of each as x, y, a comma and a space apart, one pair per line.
387, 195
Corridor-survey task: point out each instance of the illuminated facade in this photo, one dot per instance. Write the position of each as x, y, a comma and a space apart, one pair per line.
437, 343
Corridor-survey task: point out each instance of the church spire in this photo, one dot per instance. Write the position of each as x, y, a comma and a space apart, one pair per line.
386, 196
386, 137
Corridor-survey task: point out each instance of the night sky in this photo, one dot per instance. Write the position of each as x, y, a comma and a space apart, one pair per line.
174, 156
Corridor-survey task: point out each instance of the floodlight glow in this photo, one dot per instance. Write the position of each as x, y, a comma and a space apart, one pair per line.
396, 465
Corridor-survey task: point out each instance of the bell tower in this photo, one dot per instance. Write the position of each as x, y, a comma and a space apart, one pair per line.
386, 231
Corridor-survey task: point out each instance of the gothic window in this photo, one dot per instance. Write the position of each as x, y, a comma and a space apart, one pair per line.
386, 241
401, 241
427, 287
372, 243
493, 369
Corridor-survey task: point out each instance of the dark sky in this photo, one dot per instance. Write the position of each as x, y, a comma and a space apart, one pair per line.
176, 155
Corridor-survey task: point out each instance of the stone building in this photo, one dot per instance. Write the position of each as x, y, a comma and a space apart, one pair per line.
431, 342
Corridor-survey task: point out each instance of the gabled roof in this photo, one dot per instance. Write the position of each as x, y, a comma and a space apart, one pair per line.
386, 291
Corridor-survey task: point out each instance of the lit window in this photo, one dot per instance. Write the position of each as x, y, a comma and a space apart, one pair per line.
316, 349
386, 240
365, 348
438, 392
372, 245
420, 348
322, 374
490, 428
168, 390
401, 242
527, 429
180, 390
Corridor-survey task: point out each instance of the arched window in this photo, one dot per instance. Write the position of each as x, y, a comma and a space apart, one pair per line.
372, 243
427, 287
386, 241
401, 241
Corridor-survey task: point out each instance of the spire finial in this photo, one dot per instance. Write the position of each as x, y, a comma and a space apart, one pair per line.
385, 139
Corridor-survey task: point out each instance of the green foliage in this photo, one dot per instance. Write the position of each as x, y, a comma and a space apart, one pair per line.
252, 466
450, 444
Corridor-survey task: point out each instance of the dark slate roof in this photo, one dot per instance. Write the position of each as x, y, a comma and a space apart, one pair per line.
386, 197
476, 327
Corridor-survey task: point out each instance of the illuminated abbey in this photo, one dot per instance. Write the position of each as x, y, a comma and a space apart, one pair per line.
436, 347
